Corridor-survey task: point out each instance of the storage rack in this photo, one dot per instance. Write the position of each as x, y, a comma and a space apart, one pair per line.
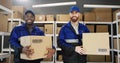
2, 54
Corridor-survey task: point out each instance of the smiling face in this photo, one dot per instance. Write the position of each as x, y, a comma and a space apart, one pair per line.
29, 19
74, 16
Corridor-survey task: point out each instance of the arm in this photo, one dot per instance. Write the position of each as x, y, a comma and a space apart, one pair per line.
14, 42
62, 43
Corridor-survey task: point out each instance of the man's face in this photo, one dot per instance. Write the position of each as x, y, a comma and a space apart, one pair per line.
29, 18
74, 16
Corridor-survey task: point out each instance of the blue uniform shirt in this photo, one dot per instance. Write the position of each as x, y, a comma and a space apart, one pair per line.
68, 37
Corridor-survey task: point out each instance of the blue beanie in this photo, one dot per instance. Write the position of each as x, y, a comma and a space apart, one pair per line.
29, 11
74, 8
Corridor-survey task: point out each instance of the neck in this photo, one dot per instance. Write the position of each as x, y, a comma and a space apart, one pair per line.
75, 23
29, 26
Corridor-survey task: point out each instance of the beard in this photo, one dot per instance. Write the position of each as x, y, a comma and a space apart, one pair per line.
74, 19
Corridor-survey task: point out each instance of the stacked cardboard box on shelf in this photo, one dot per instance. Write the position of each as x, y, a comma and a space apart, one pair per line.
66, 17
89, 16
16, 14
115, 43
6, 3
3, 24
119, 28
60, 58
102, 28
103, 14
39, 17
48, 28
13, 25
116, 59
19, 9
58, 29
91, 28
95, 58
62, 17
49, 17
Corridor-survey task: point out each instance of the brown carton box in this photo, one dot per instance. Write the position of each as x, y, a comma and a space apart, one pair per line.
62, 17
38, 43
58, 29
20, 9
89, 16
16, 14
115, 43
91, 39
119, 28
60, 58
91, 28
13, 25
6, 3
50, 17
3, 24
95, 58
108, 58
103, 14
49, 28
39, 17
101, 28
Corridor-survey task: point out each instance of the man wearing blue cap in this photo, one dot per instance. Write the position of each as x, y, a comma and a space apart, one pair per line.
26, 29
70, 38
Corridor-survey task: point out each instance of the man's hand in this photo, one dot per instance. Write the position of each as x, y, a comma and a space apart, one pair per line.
26, 50
79, 50
50, 52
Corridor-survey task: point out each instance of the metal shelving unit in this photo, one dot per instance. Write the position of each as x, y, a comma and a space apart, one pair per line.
3, 34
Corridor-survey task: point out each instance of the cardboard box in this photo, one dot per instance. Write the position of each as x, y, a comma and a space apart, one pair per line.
13, 25
39, 17
91, 28
116, 59
108, 58
119, 28
60, 58
103, 14
102, 28
81, 17
89, 16
48, 28
16, 14
114, 14
50, 17
47, 59
95, 58
6, 3
58, 29
115, 43
41, 28
3, 24
92, 39
62, 17
20, 9
38, 43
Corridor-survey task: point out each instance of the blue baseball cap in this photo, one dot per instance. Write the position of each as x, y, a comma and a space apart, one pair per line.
74, 8
29, 11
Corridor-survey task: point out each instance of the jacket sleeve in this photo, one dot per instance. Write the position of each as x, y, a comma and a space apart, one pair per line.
63, 45
14, 42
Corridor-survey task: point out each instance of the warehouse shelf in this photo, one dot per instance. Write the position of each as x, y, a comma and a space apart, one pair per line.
63, 22
7, 49
115, 36
58, 49
2, 54
16, 20
98, 22
44, 22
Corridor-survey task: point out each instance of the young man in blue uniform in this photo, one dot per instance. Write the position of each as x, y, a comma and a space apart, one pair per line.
70, 38
26, 29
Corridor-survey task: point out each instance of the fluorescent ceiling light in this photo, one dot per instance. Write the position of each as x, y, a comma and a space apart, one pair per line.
100, 6
54, 4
